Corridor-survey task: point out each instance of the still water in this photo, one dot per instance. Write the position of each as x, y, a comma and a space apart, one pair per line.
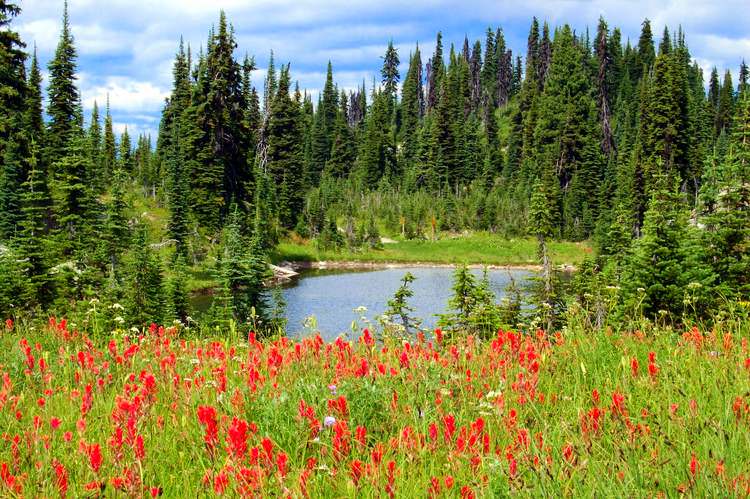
333, 298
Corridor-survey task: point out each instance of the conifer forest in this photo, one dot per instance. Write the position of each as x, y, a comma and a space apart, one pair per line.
146, 346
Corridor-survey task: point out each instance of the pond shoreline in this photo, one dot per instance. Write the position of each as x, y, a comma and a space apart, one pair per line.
375, 265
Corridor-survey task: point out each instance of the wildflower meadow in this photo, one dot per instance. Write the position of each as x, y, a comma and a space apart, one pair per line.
158, 413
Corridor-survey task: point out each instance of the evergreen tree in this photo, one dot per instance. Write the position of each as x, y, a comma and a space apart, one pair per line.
656, 268
178, 196
435, 72
109, 152
95, 149
242, 270
398, 306
343, 149
727, 234
63, 107
72, 198
178, 304
116, 228
144, 296
13, 143
285, 153
34, 245
411, 110
645, 54
542, 225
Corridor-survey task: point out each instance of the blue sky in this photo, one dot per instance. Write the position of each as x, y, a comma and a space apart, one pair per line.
126, 47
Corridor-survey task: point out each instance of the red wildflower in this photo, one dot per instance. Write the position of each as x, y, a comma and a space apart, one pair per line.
207, 418
237, 438
61, 477
220, 482
357, 470
694, 465
361, 435
281, 463
95, 457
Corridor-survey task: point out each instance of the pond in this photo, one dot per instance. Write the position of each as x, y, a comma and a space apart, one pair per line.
334, 297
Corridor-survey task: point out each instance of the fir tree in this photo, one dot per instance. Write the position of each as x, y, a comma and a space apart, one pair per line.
144, 296
242, 270
343, 149
13, 143
655, 270
411, 109
398, 306
178, 304
63, 106
285, 153
109, 152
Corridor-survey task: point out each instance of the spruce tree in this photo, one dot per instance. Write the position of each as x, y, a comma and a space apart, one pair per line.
727, 220
285, 153
411, 110
343, 149
178, 197
398, 306
13, 142
144, 296
116, 228
654, 274
63, 107
242, 270
178, 300
109, 150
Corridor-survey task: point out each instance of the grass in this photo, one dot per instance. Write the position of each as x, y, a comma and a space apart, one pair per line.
474, 248
583, 413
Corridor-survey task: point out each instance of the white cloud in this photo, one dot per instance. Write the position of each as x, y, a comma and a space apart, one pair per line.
126, 95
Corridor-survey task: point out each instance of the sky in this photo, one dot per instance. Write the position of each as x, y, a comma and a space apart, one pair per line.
126, 47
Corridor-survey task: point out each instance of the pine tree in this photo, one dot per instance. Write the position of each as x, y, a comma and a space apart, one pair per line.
178, 196
725, 105
178, 300
34, 245
727, 234
567, 135
95, 149
72, 198
323, 130
109, 152
654, 275
285, 153
13, 143
398, 306
435, 72
116, 228
143, 294
343, 149
377, 156
411, 110
126, 153
242, 270
645, 54
542, 225
389, 72
63, 107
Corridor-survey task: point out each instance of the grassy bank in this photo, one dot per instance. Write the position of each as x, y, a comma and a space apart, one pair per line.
476, 248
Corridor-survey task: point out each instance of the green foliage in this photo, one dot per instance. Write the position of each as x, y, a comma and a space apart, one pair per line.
472, 307
398, 306
144, 293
